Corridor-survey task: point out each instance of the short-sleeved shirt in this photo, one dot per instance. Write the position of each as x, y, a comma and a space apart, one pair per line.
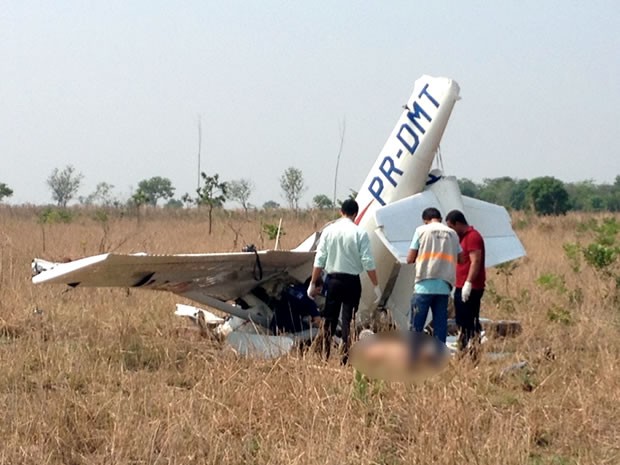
429, 286
344, 247
471, 240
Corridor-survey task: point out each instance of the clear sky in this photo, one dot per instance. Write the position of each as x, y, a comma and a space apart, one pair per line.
115, 88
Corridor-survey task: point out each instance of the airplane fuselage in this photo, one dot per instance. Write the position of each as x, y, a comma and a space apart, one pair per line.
403, 168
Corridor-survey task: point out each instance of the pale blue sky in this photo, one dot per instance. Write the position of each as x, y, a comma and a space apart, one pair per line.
115, 89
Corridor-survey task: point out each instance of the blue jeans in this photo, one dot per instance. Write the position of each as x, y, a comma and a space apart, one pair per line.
438, 303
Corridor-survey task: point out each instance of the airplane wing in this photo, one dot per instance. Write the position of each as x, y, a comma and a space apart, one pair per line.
222, 276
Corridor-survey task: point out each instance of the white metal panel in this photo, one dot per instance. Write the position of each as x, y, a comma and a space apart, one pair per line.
398, 221
399, 302
494, 224
448, 195
192, 312
259, 345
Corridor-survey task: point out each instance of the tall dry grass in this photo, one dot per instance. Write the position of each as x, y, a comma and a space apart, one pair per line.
98, 376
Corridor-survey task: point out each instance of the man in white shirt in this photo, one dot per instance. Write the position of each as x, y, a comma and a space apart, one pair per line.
344, 253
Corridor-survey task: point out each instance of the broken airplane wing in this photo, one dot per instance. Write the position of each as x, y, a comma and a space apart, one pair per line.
200, 277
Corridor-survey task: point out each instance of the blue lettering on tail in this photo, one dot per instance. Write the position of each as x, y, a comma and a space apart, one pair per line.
375, 188
389, 169
414, 142
409, 139
415, 115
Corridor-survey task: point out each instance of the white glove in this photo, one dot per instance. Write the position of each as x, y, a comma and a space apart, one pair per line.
378, 293
466, 291
311, 290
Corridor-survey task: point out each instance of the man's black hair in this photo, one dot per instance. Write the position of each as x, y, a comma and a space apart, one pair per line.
456, 216
431, 213
349, 207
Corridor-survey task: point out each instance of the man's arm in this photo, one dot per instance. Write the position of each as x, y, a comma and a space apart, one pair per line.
366, 257
414, 247
475, 258
372, 274
316, 272
320, 259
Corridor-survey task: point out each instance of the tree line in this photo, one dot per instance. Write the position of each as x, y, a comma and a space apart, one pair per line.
544, 195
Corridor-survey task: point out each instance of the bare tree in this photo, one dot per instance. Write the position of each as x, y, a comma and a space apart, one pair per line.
64, 184
240, 191
292, 183
102, 195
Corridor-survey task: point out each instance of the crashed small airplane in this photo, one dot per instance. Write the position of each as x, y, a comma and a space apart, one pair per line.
246, 285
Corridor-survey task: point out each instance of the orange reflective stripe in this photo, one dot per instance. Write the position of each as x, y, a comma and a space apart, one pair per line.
435, 256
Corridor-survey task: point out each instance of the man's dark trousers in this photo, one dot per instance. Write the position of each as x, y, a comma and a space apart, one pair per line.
343, 292
468, 315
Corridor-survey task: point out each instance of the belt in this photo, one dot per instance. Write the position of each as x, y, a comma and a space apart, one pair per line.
342, 275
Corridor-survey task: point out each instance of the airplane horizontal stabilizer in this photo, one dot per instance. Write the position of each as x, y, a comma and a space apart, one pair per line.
494, 224
397, 223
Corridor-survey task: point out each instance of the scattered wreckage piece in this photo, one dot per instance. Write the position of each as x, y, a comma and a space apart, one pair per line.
242, 336
492, 328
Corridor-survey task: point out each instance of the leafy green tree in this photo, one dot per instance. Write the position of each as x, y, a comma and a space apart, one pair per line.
240, 190
212, 194
174, 203
322, 202
518, 196
139, 198
5, 191
506, 191
156, 188
64, 184
611, 196
468, 187
548, 196
272, 231
585, 195
613, 201
270, 205
292, 184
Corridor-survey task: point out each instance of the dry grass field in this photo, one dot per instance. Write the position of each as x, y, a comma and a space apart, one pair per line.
110, 376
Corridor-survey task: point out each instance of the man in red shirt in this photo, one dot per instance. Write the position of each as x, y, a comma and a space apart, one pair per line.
470, 278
